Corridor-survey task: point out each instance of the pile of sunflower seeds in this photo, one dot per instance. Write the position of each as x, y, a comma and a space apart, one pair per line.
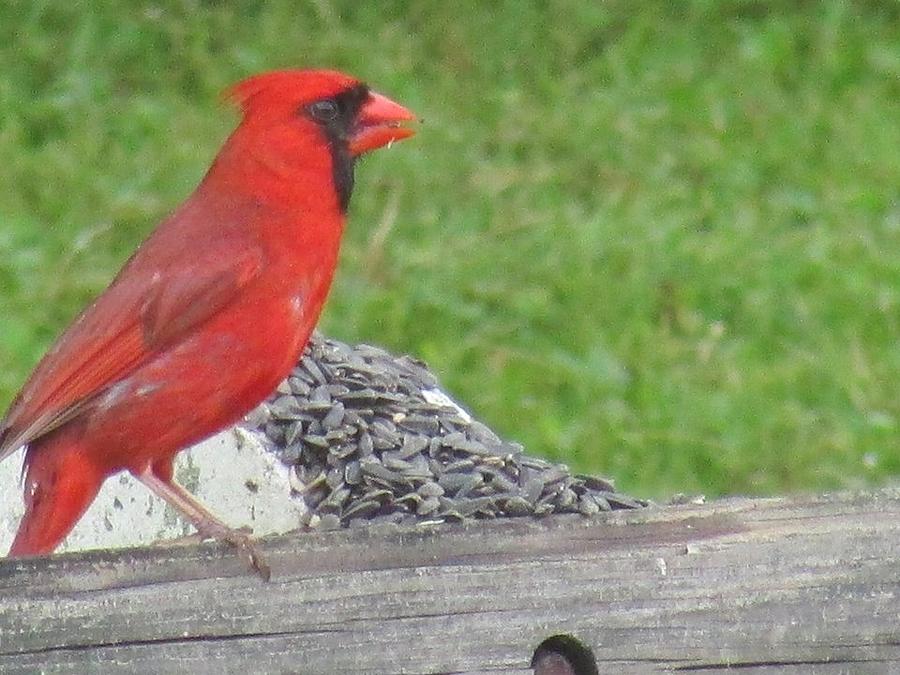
370, 437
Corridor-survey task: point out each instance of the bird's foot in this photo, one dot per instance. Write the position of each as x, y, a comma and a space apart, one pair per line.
206, 523
242, 540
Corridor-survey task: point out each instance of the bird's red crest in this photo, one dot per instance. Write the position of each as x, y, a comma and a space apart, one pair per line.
286, 89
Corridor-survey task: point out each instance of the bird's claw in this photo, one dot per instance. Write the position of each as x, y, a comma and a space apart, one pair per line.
245, 544
241, 539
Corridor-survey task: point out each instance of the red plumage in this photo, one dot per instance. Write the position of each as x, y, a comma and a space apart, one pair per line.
210, 313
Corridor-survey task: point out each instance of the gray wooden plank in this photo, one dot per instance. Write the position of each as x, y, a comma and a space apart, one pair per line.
809, 584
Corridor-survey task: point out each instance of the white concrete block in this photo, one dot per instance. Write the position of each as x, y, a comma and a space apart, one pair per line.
231, 473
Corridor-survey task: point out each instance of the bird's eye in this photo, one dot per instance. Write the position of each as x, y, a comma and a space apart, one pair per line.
324, 111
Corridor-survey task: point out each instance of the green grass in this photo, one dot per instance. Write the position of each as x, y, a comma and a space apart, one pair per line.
660, 241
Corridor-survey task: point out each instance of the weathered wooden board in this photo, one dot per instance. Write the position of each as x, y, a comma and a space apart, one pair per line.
799, 585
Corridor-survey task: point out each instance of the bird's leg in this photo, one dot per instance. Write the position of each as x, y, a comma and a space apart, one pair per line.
206, 523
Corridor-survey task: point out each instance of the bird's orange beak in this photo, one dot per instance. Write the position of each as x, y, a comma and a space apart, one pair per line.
379, 122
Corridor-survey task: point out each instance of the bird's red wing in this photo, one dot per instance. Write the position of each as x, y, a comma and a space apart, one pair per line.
143, 312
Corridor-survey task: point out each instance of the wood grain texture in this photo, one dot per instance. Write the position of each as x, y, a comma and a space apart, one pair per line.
794, 585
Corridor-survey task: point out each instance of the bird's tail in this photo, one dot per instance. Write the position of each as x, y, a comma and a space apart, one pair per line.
60, 483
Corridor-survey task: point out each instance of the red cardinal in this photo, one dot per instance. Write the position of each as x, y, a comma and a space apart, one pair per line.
210, 313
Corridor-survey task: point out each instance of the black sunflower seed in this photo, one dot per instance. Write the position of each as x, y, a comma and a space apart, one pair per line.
370, 443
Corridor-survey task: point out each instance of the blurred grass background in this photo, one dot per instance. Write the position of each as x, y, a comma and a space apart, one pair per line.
659, 241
